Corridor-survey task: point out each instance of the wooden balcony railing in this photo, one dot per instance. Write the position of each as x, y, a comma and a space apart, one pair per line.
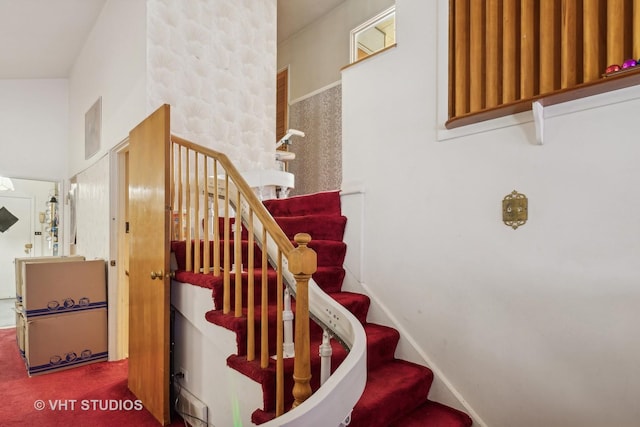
503, 54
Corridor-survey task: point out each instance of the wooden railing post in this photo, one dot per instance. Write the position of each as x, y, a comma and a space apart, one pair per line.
302, 264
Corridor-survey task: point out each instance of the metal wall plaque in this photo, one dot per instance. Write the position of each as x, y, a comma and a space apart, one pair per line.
514, 209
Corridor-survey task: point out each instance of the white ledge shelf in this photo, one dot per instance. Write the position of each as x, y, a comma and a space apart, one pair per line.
605, 84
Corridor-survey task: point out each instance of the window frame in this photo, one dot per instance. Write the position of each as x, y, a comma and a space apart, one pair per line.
353, 35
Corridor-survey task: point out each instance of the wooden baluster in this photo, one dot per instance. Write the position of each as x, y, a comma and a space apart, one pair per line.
206, 231
264, 312
492, 54
216, 221
181, 235
237, 261
461, 54
615, 32
549, 42
528, 69
188, 236
476, 55
303, 263
568, 68
279, 339
196, 216
172, 194
593, 28
226, 256
176, 220
510, 60
251, 312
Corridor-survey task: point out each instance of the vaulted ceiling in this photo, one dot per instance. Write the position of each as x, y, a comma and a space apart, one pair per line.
41, 38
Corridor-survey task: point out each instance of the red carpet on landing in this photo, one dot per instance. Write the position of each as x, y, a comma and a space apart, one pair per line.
94, 395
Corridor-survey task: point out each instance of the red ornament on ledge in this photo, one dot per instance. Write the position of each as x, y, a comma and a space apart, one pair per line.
612, 69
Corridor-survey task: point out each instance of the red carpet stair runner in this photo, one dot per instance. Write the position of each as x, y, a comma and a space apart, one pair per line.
396, 393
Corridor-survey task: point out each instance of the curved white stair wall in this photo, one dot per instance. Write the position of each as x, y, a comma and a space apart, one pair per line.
202, 350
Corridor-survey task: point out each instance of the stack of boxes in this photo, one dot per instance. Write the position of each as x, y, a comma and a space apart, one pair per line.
61, 312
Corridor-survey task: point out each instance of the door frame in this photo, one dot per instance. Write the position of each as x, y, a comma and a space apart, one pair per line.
118, 282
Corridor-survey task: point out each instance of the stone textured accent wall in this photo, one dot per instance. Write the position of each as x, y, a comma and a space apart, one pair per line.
214, 62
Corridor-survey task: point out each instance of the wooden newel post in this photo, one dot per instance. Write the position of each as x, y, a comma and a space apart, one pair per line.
303, 263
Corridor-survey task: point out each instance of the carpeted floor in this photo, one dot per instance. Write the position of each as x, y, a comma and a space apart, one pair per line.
93, 395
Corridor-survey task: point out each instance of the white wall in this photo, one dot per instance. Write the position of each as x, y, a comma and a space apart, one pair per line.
33, 128
316, 53
202, 351
535, 326
92, 211
112, 65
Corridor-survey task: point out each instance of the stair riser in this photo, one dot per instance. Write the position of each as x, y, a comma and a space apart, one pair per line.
329, 253
326, 203
317, 226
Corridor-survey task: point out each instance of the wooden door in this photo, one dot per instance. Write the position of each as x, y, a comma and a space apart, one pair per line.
149, 263
282, 104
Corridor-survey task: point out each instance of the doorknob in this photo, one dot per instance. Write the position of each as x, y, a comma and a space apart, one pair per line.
157, 275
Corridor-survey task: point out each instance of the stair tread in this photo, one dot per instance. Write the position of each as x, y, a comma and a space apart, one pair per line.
434, 414
357, 304
392, 389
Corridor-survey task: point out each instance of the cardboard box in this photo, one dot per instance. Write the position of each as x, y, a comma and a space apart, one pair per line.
19, 266
20, 328
64, 341
63, 287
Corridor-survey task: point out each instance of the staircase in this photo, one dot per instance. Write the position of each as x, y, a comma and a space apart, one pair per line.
396, 393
